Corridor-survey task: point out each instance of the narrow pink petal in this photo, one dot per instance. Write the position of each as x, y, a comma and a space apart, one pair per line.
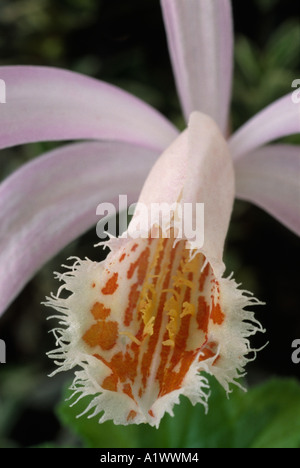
269, 177
52, 200
52, 104
280, 119
200, 39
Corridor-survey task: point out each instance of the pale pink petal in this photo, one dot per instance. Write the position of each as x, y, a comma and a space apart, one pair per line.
200, 38
270, 178
280, 119
197, 168
53, 200
51, 104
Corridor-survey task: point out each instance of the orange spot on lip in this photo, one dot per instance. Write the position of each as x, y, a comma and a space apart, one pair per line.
150, 412
103, 334
124, 365
132, 302
203, 277
202, 314
173, 380
122, 257
133, 249
111, 285
110, 383
93, 285
217, 315
141, 263
131, 415
99, 311
128, 391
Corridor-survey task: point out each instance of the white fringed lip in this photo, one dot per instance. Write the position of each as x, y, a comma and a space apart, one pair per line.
137, 374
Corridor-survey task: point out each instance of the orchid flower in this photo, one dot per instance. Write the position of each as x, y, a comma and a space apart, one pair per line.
144, 324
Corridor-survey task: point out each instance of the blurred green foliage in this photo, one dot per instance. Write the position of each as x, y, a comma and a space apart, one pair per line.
124, 43
263, 75
268, 416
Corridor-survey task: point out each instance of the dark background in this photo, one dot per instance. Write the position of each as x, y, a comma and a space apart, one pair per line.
123, 42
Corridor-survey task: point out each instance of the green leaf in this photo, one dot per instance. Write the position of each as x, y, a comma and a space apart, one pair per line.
247, 60
267, 416
92, 433
278, 405
282, 49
